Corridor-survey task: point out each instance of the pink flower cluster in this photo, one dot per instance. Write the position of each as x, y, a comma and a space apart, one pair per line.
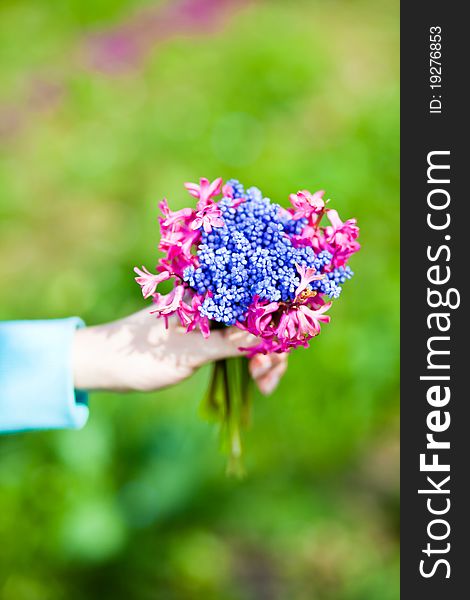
180, 233
338, 238
284, 327
280, 325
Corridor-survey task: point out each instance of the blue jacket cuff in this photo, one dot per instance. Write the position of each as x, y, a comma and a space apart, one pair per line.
36, 377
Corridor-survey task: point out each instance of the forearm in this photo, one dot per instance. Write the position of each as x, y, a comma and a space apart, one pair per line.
102, 357
90, 359
136, 353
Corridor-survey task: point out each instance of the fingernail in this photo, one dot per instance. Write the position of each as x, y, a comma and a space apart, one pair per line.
260, 366
257, 371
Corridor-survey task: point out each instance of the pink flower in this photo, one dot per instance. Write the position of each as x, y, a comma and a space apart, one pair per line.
306, 276
191, 318
311, 236
177, 239
341, 237
207, 216
259, 317
301, 322
307, 204
148, 281
259, 322
205, 190
281, 327
173, 217
168, 304
227, 192
309, 319
237, 201
288, 325
179, 242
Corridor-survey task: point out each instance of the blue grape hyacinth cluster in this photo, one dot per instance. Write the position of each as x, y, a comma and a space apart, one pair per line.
252, 255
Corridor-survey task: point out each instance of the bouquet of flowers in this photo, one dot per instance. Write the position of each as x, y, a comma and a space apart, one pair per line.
245, 261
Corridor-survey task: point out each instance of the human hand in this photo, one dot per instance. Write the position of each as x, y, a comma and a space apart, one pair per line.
139, 353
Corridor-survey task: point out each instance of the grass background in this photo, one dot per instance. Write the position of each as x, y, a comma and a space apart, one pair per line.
107, 106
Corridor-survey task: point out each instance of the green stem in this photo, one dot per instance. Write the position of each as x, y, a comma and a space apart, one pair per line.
245, 391
228, 400
212, 399
234, 466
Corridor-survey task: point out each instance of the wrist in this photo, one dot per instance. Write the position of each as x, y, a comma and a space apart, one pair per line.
91, 360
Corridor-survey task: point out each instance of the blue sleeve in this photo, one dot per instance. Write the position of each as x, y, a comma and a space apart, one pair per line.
36, 381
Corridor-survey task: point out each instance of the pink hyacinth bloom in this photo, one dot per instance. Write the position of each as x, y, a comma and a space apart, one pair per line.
341, 237
288, 325
205, 190
207, 216
173, 217
174, 243
227, 192
306, 276
259, 317
302, 322
337, 225
168, 304
311, 236
177, 239
237, 201
259, 321
307, 204
309, 319
177, 244
149, 281
191, 318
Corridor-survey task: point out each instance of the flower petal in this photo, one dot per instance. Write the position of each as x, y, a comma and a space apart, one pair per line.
148, 281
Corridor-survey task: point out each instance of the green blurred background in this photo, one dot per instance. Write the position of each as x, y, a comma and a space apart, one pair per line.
105, 107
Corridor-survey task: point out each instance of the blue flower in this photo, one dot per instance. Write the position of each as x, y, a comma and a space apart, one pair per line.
252, 255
